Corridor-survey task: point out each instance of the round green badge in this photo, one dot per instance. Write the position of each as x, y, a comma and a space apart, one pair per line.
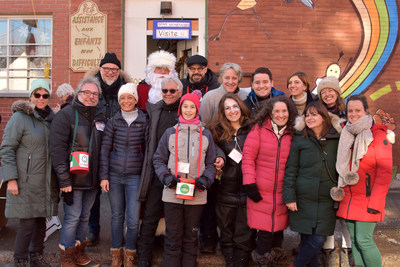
184, 189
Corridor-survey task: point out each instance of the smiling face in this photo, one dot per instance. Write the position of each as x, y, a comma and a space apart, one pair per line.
230, 80
355, 110
188, 110
109, 73
127, 102
197, 73
232, 111
262, 85
296, 87
40, 102
314, 121
89, 95
170, 98
280, 113
329, 97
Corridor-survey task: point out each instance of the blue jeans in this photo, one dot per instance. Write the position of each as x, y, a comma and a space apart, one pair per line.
123, 194
76, 217
311, 246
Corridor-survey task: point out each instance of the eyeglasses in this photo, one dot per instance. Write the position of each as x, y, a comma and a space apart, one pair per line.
171, 91
88, 93
37, 95
114, 70
199, 69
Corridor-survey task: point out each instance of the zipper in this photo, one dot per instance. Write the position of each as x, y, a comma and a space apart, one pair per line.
27, 167
278, 152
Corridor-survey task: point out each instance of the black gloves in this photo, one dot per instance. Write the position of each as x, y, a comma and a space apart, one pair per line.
372, 211
252, 192
169, 180
202, 183
68, 198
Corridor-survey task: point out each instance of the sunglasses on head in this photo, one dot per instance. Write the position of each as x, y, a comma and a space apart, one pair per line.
37, 95
172, 91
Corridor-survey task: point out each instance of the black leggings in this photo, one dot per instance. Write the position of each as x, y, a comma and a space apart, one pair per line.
267, 240
30, 237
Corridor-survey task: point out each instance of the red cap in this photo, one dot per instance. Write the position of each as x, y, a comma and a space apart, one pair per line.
192, 97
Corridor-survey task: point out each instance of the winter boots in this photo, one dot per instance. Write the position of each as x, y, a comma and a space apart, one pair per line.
67, 256
116, 257
329, 258
37, 260
81, 258
129, 256
20, 262
266, 260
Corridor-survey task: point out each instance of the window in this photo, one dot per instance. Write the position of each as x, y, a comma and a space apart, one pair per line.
25, 53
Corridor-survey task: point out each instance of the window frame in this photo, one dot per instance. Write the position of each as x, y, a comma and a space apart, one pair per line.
25, 93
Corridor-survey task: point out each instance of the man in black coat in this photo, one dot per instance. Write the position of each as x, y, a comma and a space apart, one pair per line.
200, 77
77, 128
163, 115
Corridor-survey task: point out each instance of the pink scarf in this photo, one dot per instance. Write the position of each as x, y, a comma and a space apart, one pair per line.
192, 121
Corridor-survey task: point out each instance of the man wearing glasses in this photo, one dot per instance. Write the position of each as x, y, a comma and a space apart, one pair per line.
199, 77
163, 114
76, 128
111, 78
160, 65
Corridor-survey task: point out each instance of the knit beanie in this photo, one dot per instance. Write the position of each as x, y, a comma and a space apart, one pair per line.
110, 58
192, 97
161, 59
128, 88
39, 83
329, 82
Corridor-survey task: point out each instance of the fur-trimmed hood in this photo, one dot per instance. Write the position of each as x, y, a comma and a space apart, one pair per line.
24, 106
93, 72
300, 122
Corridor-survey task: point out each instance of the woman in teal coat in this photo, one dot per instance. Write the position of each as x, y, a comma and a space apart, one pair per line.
309, 176
32, 191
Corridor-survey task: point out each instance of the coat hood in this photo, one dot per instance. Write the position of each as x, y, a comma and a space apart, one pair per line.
300, 122
24, 106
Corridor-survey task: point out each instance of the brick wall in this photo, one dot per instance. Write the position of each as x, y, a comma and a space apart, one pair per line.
301, 39
60, 11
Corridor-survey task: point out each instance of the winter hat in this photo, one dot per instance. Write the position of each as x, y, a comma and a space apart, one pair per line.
161, 59
110, 58
329, 82
37, 84
197, 59
192, 97
128, 88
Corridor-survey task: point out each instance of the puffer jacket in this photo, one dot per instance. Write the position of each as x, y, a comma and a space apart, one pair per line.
188, 151
209, 83
254, 103
229, 192
61, 137
310, 174
123, 146
375, 174
264, 160
25, 157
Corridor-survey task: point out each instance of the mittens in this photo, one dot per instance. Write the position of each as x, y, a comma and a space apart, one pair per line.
68, 198
252, 192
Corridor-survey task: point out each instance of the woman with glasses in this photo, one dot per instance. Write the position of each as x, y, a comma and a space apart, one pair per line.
32, 192
264, 157
310, 174
229, 130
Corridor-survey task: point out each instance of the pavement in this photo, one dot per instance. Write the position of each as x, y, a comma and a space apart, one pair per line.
387, 238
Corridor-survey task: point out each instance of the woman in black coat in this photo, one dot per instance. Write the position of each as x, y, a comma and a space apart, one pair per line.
229, 130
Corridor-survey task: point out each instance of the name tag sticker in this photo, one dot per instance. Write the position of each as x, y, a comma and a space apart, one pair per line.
183, 167
235, 155
100, 126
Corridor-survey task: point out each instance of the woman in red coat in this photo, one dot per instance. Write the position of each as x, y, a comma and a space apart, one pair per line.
364, 164
264, 158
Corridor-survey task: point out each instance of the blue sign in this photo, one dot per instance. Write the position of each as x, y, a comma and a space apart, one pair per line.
172, 29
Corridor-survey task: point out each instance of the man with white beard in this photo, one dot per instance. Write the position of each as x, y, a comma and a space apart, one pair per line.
111, 78
160, 65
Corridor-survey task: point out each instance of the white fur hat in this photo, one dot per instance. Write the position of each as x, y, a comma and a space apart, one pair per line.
128, 88
161, 59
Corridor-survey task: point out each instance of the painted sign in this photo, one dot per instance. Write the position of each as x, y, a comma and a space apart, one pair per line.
87, 39
172, 29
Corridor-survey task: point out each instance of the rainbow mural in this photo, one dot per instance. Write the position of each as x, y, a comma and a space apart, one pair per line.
380, 21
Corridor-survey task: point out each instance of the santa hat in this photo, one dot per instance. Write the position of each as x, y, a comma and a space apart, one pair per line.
192, 97
161, 59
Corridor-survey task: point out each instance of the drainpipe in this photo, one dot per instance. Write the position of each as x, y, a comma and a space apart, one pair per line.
206, 32
123, 33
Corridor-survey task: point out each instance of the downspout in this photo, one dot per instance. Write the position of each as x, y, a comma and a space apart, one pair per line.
206, 32
123, 33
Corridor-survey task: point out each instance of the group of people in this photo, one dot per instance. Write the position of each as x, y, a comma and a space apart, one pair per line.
205, 153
